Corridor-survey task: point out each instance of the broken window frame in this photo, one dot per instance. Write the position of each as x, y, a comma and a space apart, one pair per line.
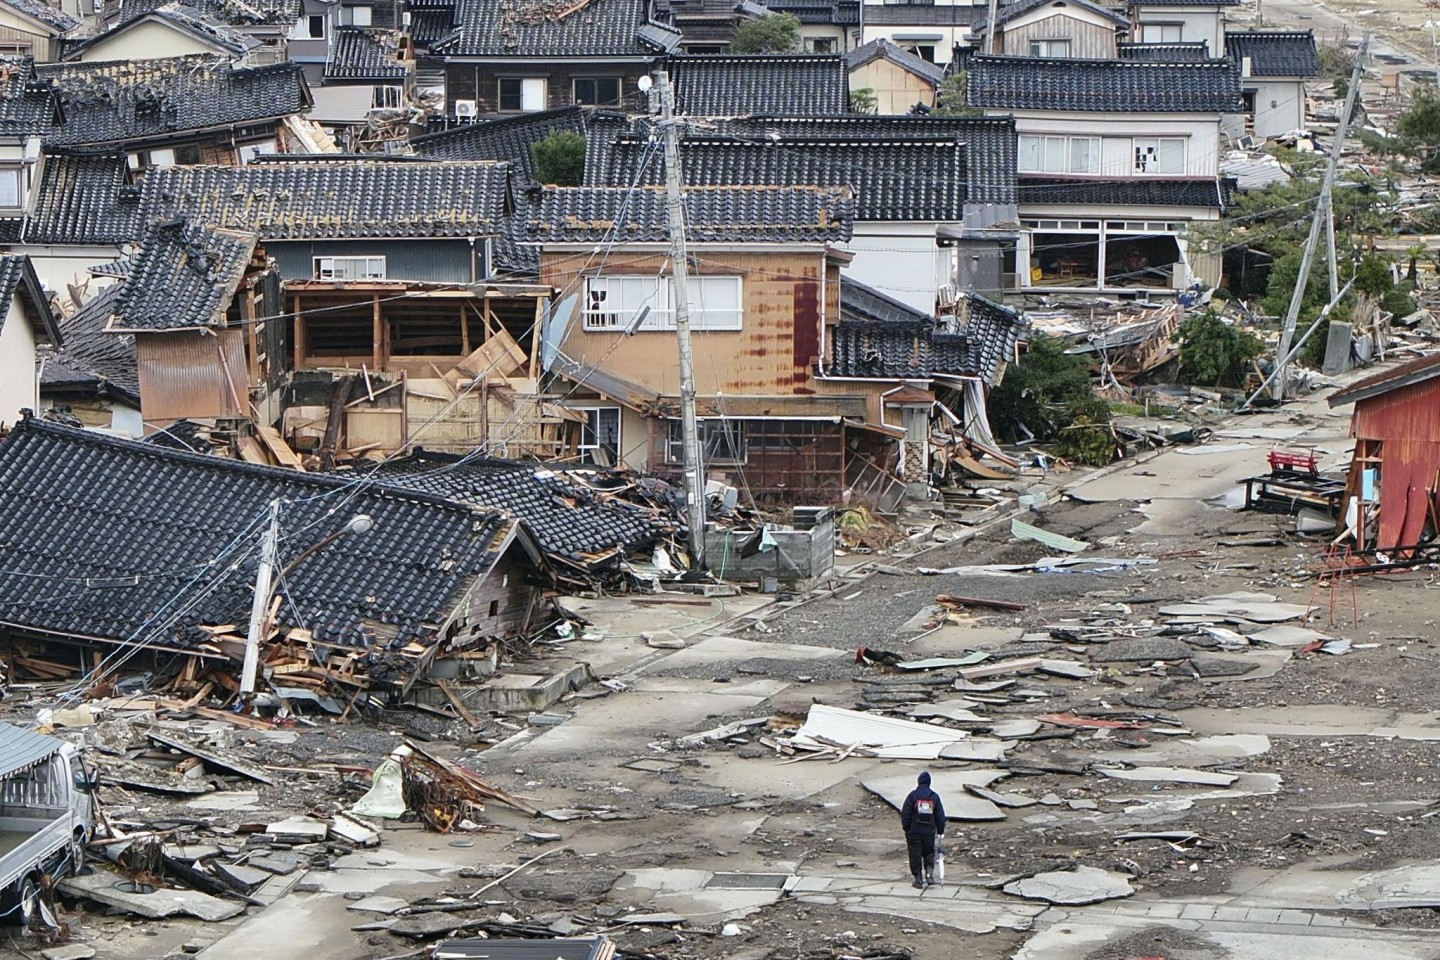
1156, 156
722, 442
600, 440
615, 302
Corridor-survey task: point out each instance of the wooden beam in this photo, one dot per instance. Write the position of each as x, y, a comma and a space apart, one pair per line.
465, 347
302, 346
378, 357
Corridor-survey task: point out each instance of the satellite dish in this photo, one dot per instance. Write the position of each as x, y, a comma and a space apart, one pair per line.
645, 83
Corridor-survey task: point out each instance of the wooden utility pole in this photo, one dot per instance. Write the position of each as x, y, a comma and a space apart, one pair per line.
989, 27
1327, 187
680, 303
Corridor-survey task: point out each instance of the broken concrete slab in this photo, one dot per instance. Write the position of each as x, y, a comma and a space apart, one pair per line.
160, 902
957, 710
650, 920
240, 876
299, 830
1287, 635
1141, 650
424, 926
378, 904
224, 761
1204, 778
1011, 800
69, 951
975, 750
1199, 752
1015, 729
1072, 887
1067, 668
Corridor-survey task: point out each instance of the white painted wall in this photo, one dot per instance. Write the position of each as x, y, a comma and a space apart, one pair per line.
18, 382
1279, 107
1196, 24
900, 260
341, 104
57, 266
1201, 132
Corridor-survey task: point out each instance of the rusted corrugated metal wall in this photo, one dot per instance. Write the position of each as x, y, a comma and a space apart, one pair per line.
1406, 422
192, 374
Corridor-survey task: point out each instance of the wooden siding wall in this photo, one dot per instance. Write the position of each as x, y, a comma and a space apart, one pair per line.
1087, 40
24, 41
512, 597
896, 89
191, 374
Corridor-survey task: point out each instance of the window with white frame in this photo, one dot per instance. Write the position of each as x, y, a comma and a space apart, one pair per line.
1160, 155
1050, 48
12, 188
349, 268
1161, 32
1047, 154
355, 16
618, 303
600, 436
387, 96
521, 94
721, 441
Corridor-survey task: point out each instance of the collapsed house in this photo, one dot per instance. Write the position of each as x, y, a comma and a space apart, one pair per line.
118, 547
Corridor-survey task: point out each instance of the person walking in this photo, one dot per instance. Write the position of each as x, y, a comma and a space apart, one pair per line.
923, 817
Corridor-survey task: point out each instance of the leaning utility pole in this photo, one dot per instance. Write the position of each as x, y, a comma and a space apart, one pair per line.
680, 277
1320, 217
259, 605
989, 27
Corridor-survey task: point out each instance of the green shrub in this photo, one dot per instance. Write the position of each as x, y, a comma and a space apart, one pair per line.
1215, 353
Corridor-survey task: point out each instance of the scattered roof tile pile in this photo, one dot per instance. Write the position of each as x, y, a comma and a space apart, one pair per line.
556, 29
102, 535
1275, 54
83, 199
183, 278
917, 178
337, 199
28, 104
881, 48
881, 337
93, 362
1102, 86
1143, 191
53, 16
712, 215
136, 100
357, 53
732, 86
1164, 52
510, 138
577, 517
235, 12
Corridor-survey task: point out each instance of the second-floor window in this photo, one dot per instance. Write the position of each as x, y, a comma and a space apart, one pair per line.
521, 94
597, 91
349, 268
309, 28
1160, 155
621, 303
1161, 32
819, 44
355, 16
1049, 48
12, 188
1039, 154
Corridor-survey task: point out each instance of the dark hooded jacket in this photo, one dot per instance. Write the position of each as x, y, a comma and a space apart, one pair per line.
913, 819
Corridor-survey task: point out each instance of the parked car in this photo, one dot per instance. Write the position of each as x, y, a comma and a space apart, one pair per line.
47, 816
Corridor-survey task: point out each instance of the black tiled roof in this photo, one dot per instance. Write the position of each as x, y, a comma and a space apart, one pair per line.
184, 277
84, 199
53, 16
990, 143
1164, 52
12, 271
1130, 191
1138, 4
727, 214
338, 200
239, 13
733, 86
878, 336
510, 138
358, 53
184, 17
880, 47
840, 13
1275, 54
902, 179
93, 361
102, 537
28, 104
1102, 86
533, 28
137, 100
567, 518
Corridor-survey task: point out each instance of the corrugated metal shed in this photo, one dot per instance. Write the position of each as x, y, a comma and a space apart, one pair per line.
21, 749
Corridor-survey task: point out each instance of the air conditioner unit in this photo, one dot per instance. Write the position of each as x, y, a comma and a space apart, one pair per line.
465, 109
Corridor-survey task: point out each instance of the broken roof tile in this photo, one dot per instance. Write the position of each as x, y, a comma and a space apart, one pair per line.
361, 53
93, 361
183, 278
555, 29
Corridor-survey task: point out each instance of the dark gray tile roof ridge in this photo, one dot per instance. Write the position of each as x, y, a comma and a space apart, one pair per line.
184, 277
365, 53
849, 285
92, 353
1103, 85
556, 28
1274, 53
880, 48
1136, 4
1010, 11
318, 481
